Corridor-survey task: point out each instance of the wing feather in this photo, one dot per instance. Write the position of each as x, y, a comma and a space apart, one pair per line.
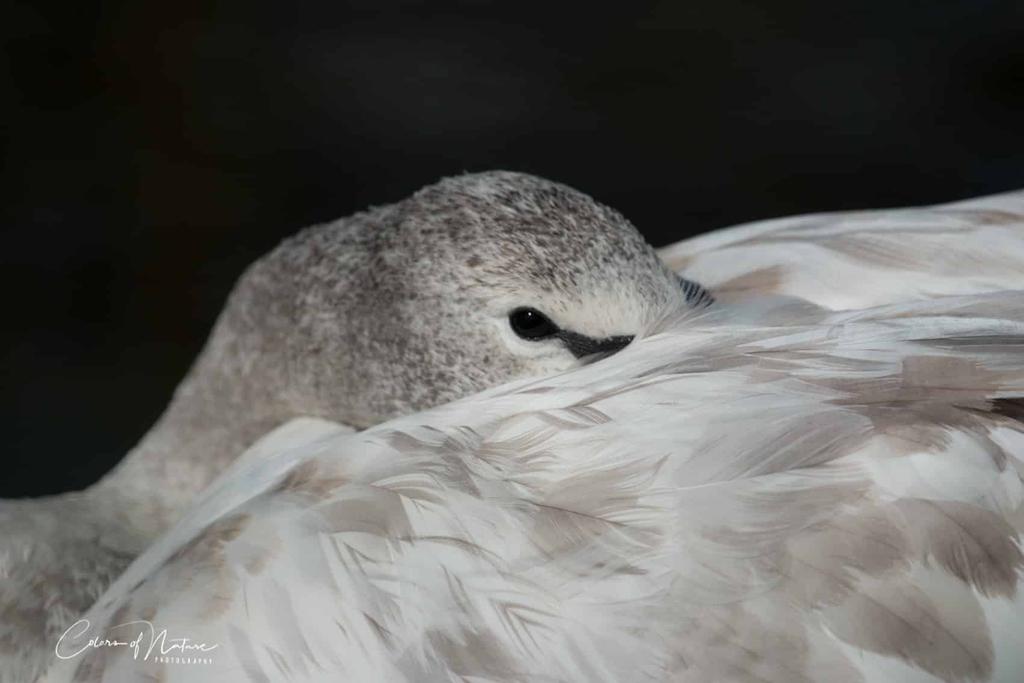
833, 496
864, 258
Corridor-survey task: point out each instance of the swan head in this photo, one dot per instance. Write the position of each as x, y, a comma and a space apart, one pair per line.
474, 281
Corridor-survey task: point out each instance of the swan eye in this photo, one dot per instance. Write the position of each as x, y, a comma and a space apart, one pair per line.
529, 323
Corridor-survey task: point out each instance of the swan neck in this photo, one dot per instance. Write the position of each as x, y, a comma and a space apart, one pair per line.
216, 413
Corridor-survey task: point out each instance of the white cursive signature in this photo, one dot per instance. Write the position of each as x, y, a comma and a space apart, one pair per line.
146, 642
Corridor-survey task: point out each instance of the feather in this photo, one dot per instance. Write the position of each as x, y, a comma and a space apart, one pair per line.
864, 258
825, 496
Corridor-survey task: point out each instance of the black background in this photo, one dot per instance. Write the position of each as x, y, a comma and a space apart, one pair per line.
154, 149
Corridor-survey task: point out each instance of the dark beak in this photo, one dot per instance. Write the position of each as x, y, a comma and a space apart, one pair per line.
581, 346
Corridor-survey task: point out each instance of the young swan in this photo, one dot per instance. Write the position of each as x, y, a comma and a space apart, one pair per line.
474, 281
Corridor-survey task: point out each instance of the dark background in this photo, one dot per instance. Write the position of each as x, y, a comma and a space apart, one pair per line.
154, 149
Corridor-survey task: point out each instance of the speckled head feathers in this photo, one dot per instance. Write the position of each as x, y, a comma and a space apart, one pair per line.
405, 306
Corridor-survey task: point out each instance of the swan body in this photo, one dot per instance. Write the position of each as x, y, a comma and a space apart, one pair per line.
356, 321
765, 491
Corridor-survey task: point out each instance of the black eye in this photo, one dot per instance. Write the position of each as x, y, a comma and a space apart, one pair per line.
529, 323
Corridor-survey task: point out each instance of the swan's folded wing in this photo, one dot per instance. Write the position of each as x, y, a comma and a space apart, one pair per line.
835, 498
864, 258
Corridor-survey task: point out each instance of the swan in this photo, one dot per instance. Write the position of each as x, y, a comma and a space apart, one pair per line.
471, 282
764, 491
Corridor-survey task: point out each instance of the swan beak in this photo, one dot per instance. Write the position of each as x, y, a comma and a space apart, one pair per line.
583, 346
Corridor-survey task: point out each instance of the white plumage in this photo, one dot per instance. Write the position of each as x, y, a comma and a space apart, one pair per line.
762, 491
859, 259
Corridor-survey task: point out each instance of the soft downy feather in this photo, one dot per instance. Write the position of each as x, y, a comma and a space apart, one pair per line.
746, 494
